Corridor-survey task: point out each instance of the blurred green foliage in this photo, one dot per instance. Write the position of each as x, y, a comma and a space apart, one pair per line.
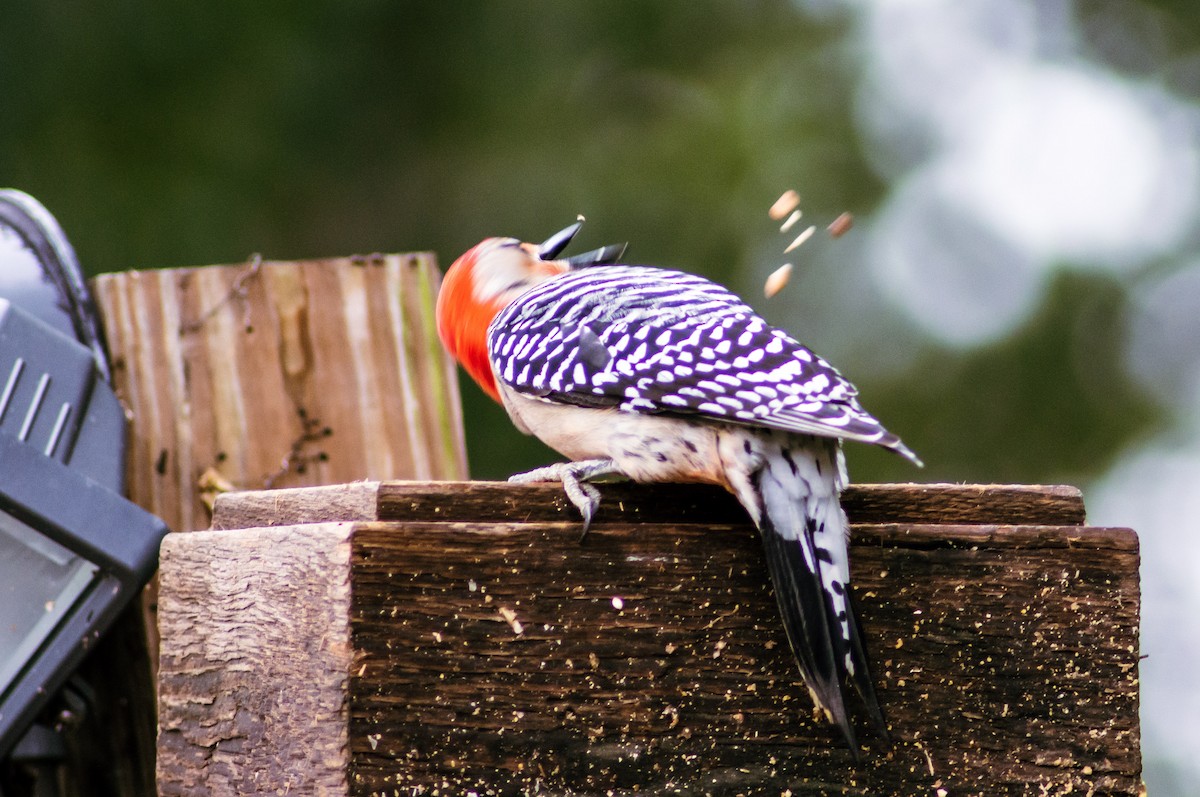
178, 134
173, 133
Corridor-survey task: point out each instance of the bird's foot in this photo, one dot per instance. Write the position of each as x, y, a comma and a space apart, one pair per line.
574, 477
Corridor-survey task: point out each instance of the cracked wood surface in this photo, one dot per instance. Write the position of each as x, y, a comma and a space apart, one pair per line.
255, 662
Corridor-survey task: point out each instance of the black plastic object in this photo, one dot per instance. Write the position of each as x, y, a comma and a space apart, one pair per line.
40, 274
92, 549
73, 551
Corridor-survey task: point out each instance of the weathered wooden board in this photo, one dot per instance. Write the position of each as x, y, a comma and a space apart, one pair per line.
279, 374
505, 657
257, 374
1050, 505
256, 658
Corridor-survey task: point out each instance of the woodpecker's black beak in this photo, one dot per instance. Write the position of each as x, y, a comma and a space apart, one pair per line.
604, 256
553, 245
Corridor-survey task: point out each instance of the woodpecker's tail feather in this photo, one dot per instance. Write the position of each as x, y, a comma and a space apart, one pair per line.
804, 535
813, 642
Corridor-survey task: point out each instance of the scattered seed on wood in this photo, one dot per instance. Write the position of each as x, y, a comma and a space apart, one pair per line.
777, 280
801, 238
784, 205
510, 617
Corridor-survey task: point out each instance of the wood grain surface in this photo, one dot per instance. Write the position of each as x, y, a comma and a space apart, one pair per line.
279, 374
1055, 505
257, 374
495, 653
508, 658
255, 662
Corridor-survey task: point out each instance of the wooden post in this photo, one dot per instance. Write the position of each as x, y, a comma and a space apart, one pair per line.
260, 374
457, 638
292, 675
273, 374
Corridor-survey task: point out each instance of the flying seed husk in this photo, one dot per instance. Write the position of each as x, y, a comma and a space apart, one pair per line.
778, 279
791, 221
801, 238
839, 226
784, 205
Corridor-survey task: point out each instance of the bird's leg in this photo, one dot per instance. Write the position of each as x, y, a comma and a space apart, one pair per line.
574, 477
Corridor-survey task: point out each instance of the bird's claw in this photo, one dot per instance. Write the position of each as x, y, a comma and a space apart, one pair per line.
572, 475
586, 499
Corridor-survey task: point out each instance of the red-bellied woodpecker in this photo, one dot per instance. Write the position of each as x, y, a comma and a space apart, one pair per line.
662, 376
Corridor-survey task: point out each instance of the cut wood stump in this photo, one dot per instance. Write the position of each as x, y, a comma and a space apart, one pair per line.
279, 374
251, 375
450, 638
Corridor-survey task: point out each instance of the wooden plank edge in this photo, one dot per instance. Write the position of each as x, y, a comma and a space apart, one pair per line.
1054, 505
984, 536
296, 505
908, 536
256, 660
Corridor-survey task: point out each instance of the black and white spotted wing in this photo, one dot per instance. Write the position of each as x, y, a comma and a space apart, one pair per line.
657, 341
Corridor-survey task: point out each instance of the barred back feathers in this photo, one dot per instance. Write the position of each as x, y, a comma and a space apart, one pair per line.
653, 340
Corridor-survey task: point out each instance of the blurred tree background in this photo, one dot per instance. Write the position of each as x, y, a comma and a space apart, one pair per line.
1019, 297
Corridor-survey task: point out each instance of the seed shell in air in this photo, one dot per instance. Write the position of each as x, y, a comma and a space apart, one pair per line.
784, 205
791, 221
778, 279
801, 238
841, 225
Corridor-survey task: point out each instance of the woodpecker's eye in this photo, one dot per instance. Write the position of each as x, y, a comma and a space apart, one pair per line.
494, 245
503, 267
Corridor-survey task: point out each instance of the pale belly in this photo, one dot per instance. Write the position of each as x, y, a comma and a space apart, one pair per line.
647, 448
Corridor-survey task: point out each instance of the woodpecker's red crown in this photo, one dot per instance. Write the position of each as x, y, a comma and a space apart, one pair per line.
480, 284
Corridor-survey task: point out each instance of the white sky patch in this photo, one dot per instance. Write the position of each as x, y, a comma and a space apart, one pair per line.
924, 59
1008, 164
958, 280
1164, 338
1154, 492
1072, 165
